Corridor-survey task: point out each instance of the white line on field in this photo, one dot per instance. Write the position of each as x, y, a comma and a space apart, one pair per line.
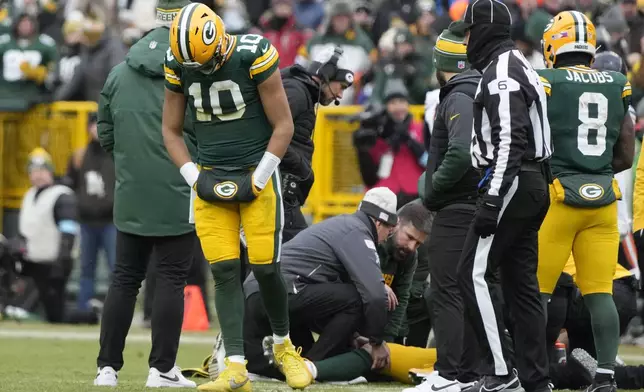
89, 336
144, 338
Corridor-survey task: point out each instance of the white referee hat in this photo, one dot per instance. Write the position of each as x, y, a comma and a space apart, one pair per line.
381, 204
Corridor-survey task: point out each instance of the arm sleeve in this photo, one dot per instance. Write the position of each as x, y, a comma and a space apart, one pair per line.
504, 102
105, 124
626, 96
359, 257
65, 214
265, 62
401, 287
172, 73
293, 162
458, 113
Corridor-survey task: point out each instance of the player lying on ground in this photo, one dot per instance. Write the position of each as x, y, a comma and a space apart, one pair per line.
242, 121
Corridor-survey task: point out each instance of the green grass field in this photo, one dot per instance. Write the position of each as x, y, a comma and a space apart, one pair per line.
38, 357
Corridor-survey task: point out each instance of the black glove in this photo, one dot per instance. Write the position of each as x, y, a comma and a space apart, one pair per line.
486, 218
364, 138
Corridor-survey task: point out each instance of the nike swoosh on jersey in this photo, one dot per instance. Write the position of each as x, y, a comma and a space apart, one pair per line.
435, 388
236, 385
454, 116
265, 48
174, 379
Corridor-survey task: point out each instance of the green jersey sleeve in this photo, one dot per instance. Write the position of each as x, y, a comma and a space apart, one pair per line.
49, 50
263, 58
172, 72
626, 95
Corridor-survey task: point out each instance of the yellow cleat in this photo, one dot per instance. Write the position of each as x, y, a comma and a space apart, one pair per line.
233, 379
292, 365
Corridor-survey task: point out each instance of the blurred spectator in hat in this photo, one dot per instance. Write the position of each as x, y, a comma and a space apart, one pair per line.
614, 23
359, 51
48, 228
390, 10
255, 9
100, 52
91, 174
280, 27
363, 16
390, 145
634, 14
28, 58
309, 13
407, 64
423, 30
234, 13
70, 50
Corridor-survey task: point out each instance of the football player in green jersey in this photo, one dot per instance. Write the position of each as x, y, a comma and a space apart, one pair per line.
593, 138
243, 127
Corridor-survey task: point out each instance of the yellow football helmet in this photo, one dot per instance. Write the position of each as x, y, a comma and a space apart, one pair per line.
568, 32
198, 38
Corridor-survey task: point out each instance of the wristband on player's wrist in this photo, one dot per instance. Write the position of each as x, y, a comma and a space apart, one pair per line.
265, 170
190, 173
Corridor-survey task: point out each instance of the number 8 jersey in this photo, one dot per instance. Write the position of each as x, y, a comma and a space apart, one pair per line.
229, 120
586, 109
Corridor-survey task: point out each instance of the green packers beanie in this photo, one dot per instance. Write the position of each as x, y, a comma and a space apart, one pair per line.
450, 53
168, 9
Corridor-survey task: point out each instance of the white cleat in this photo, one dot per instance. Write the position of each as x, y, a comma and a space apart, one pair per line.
106, 377
435, 383
171, 379
217, 363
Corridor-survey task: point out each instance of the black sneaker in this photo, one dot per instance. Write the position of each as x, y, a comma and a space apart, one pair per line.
508, 383
605, 386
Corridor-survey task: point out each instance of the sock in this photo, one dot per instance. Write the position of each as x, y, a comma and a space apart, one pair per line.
237, 359
274, 296
312, 369
280, 339
344, 367
605, 322
229, 302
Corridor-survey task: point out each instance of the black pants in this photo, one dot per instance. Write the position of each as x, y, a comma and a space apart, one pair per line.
294, 221
334, 311
456, 345
174, 256
50, 280
512, 252
196, 277
418, 321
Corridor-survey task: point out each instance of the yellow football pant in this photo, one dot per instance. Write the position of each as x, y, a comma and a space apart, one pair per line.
590, 234
217, 226
404, 358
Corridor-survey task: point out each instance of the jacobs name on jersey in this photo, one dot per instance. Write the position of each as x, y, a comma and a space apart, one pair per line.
231, 126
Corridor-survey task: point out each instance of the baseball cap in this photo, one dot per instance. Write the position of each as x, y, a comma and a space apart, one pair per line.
380, 203
483, 12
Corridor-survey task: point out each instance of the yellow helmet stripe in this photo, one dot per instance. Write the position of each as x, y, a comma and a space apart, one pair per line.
183, 35
580, 25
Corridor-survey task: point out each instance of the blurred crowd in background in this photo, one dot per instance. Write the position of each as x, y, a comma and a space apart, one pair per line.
63, 50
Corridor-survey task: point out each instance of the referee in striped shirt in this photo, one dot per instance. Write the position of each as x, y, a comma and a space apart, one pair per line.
510, 142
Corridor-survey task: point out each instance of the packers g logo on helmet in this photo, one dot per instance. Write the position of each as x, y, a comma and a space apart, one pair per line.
568, 32
198, 38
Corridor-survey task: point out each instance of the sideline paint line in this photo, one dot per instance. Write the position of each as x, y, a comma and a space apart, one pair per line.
93, 336
141, 338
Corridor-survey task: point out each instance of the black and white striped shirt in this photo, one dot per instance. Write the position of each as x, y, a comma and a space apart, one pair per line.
510, 120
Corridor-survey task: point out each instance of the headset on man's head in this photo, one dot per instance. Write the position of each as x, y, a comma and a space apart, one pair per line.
328, 70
